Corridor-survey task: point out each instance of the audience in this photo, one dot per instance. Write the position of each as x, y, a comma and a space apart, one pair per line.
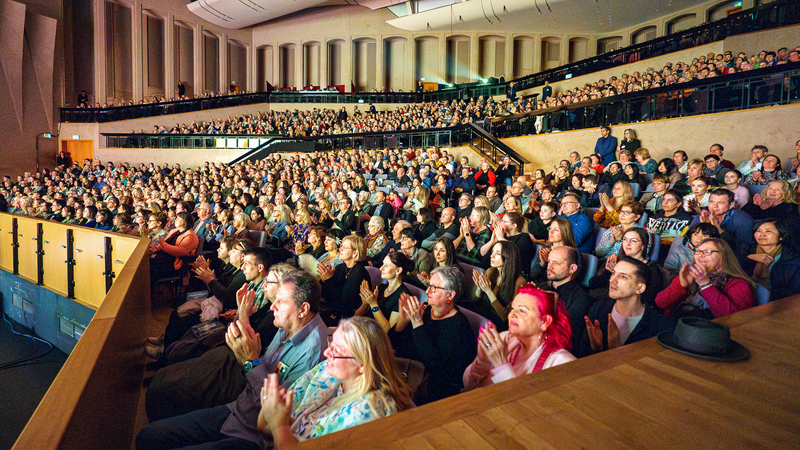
487, 218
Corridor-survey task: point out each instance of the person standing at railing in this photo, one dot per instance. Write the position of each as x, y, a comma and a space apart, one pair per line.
606, 146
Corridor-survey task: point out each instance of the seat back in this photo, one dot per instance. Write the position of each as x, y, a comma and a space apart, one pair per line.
656, 248
374, 276
754, 189
761, 295
636, 188
589, 268
642, 220
417, 292
469, 295
476, 321
259, 238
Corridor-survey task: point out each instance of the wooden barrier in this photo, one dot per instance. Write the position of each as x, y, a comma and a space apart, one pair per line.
637, 396
93, 401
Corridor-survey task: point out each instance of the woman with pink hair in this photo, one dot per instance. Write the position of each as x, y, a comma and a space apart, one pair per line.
539, 336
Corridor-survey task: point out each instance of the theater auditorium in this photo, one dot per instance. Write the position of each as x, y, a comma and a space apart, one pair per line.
434, 224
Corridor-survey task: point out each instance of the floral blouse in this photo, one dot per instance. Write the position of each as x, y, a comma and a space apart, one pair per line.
318, 412
606, 219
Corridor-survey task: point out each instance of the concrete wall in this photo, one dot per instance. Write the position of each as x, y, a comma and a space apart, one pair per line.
186, 158
738, 131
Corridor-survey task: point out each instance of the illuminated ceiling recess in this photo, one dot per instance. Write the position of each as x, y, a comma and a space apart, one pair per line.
556, 16
236, 14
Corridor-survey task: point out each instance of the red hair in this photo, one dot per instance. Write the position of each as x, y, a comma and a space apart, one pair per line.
559, 334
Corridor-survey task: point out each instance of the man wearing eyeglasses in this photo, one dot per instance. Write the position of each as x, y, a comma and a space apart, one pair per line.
581, 225
296, 348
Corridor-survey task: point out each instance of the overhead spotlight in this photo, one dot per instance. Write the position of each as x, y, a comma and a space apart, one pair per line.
484, 80
429, 25
460, 19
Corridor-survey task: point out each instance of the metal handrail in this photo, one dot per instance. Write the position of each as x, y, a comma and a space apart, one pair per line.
771, 15
775, 85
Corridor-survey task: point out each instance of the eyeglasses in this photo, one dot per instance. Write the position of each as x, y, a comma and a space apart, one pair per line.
625, 213
570, 203
630, 240
434, 289
705, 252
334, 351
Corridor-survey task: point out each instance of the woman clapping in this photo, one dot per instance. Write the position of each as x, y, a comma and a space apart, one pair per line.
539, 336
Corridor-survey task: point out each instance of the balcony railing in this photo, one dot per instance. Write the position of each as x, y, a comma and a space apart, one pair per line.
771, 15
764, 17
777, 85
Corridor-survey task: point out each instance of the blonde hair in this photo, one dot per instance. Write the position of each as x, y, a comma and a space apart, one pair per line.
370, 347
787, 194
359, 245
643, 152
243, 218
302, 217
727, 260
627, 194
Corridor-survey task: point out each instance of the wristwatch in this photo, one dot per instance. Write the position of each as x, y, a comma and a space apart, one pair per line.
375, 309
248, 365
467, 234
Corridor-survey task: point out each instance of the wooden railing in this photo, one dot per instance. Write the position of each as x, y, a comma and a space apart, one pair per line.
93, 401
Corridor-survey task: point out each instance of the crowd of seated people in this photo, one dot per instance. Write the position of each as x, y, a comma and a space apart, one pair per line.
83, 99
372, 230
703, 66
321, 122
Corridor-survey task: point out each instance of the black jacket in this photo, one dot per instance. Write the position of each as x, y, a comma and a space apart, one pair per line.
652, 323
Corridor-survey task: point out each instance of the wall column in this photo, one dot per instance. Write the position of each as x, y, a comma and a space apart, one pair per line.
508, 72
443, 57
99, 18
137, 52
411, 66
380, 64
169, 54
474, 57
250, 66
224, 80
324, 64
299, 68
537, 53
347, 64
276, 66
199, 57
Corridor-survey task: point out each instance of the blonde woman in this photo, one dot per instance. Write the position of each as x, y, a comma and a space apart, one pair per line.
357, 383
607, 215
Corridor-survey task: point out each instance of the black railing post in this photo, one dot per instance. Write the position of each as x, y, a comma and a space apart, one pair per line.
15, 245
39, 254
70, 263
109, 272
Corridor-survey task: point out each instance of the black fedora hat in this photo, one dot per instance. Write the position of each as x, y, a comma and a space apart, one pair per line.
703, 339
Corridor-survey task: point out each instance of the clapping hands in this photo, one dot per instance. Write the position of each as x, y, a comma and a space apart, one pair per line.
492, 346
411, 310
